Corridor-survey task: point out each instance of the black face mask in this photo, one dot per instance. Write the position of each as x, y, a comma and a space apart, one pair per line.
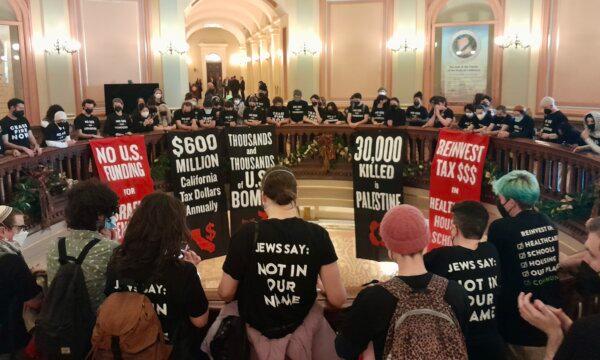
501, 209
118, 108
315, 103
591, 127
89, 111
394, 106
416, 103
587, 280
547, 111
19, 113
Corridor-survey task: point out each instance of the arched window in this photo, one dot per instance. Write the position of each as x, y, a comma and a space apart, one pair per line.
213, 58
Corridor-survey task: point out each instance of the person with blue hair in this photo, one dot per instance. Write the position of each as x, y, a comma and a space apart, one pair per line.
527, 242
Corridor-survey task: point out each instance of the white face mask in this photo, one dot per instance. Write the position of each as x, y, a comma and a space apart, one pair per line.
236, 101
158, 96
469, 115
20, 237
145, 114
383, 93
480, 116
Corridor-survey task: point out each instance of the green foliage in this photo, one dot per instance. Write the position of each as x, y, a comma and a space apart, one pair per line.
26, 197
416, 170
577, 207
161, 168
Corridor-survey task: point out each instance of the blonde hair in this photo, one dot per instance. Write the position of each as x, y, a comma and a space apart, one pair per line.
164, 107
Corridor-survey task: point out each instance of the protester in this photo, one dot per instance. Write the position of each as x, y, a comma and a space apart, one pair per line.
239, 106
523, 125
441, 115
148, 258
19, 288
468, 121
142, 121
234, 85
278, 114
16, 131
484, 119
253, 115
90, 205
297, 107
56, 132
87, 125
117, 123
307, 253
243, 87
591, 133
380, 109
314, 112
185, 118
416, 114
263, 98
164, 119
527, 242
476, 266
395, 116
500, 122
333, 116
207, 117
405, 234
382, 91
358, 113
156, 99
556, 125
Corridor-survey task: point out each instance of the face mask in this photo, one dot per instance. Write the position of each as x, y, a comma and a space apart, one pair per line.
236, 101
89, 111
145, 114
110, 223
485, 103
19, 113
394, 106
518, 118
315, 103
416, 103
356, 102
20, 237
503, 212
163, 113
469, 115
118, 108
591, 127
547, 111
480, 116
158, 96
383, 93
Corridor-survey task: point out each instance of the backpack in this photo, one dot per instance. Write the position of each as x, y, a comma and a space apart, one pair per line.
128, 328
427, 314
66, 320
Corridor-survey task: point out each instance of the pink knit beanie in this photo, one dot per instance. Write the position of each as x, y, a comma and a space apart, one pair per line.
404, 230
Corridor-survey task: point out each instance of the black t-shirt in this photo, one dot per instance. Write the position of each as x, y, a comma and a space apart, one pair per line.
56, 131
185, 118
478, 271
18, 286
17, 130
137, 124
416, 114
528, 248
254, 114
263, 103
465, 122
88, 125
117, 124
311, 113
446, 114
278, 274
499, 121
358, 112
378, 115
556, 123
176, 294
523, 128
397, 115
206, 117
279, 113
227, 116
332, 117
368, 319
2, 149
297, 109
486, 121
581, 342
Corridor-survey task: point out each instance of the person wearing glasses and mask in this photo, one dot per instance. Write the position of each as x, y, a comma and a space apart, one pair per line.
19, 287
157, 98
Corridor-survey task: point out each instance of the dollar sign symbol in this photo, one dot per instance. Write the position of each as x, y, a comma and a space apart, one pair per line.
210, 232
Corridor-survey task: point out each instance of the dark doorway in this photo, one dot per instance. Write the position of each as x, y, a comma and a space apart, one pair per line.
214, 71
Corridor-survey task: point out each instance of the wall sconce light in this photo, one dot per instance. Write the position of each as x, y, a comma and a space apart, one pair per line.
515, 41
307, 48
403, 44
61, 45
170, 47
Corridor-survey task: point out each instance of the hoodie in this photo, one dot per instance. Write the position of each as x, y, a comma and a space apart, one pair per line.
594, 140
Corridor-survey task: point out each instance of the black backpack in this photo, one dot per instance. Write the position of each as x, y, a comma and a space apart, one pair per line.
66, 321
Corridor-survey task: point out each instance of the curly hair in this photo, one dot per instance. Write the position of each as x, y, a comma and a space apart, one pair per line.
153, 238
86, 201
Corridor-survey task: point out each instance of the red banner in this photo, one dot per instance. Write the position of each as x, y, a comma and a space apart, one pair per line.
456, 175
123, 164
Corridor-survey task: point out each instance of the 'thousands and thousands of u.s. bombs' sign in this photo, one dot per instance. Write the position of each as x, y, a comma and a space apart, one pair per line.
456, 175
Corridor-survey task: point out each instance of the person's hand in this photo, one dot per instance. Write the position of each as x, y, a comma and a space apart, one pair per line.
544, 136
29, 152
98, 136
578, 149
565, 320
38, 150
16, 153
128, 133
191, 257
118, 135
539, 315
71, 142
503, 134
585, 134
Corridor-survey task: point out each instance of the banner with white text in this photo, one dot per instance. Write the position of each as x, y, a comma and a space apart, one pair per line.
122, 162
198, 181
377, 158
456, 175
251, 151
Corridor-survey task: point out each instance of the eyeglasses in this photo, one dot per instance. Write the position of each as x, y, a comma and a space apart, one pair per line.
16, 228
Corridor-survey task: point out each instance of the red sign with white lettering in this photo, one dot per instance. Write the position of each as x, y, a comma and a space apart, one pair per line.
123, 164
456, 175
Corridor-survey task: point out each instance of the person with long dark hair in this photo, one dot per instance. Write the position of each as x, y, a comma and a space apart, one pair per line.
149, 258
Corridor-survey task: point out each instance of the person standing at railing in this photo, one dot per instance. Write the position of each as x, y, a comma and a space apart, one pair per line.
278, 114
253, 115
185, 118
441, 115
87, 125
522, 125
500, 122
117, 123
314, 112
207, 116
556, 125
416, 114
56, 132
333, 116
395, 116
229, 116
16, 131
591, 133
358, 113
468, 121
380, 110
527, 242
297, 107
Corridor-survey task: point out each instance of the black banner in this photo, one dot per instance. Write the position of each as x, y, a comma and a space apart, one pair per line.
251, 150
197, 173
377, 158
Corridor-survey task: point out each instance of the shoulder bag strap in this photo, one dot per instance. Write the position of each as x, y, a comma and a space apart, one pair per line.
86, 250
63, 258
